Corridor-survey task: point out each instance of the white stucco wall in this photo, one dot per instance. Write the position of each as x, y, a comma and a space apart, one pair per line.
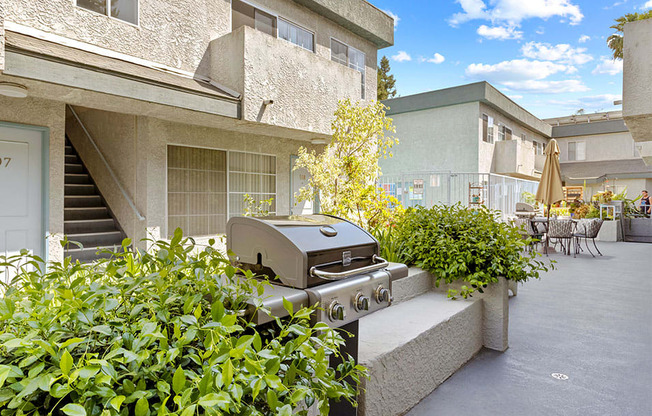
488, 161
304, 87
612, 146
637, 79
138, 151
438, 139
2, 35
49, 114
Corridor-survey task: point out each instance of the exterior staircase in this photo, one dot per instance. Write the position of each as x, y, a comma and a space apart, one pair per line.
87, 218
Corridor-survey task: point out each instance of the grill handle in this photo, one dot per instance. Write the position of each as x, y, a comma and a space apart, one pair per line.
379, 263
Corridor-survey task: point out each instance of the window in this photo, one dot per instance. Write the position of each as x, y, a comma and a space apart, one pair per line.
351, 57
508, 133
576, 150
244, 14
523, 137
126, 10
251, 174
538, 148
199, 200
295, 34
504, 133
487, 128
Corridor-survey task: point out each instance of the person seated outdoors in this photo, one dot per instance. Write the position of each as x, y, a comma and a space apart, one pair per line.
646, 204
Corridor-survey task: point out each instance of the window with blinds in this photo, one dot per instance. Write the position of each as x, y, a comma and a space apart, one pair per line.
199, 201
252, 174
196, 190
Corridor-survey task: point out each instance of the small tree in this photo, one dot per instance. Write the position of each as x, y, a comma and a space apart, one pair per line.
615, 41
344, 175
386, 82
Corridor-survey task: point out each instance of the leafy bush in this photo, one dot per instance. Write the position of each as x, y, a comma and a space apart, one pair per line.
456, 243
158, 333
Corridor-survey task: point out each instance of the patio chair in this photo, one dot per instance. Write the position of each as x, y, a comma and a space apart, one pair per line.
562, 231
527, 231
587, 228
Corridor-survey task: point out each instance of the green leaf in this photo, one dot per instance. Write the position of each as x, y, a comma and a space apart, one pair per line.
179, 381
189, 411
288, 306
73, 410
227, 373
285, 410
116, 402
102, 329
70, 342
142, 407
215, 399
4, 373
65, 364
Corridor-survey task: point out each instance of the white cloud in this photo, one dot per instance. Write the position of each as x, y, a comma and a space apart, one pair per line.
585, 38
647, 5
515, 97
499, 32
547, 87
540, 31
402, 56
393, 16
590, 103
608, 66
516, 70
515, 11
437, 58
562, 53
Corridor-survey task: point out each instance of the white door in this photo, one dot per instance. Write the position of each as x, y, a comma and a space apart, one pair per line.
21, 191
299, 178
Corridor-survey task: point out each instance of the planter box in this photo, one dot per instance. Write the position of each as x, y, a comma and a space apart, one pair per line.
610, 231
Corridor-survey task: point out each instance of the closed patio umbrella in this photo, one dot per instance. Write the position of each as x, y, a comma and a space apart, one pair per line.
550, 188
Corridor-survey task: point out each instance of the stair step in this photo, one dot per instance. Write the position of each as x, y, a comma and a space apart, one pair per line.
80, 178
413, 347
88, 226
82, 201
106, 238
74, 168
80, 189
85, 213
89, 254
70, 150
72, 159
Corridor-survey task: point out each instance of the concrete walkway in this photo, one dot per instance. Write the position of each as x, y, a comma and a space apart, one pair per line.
591, 320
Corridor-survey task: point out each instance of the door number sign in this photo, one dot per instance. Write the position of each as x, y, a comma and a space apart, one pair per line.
4, 161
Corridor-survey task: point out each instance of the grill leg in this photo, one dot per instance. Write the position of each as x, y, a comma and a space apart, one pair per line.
344, 408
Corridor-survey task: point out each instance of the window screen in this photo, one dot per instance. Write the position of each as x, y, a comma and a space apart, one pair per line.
242, 15
126, 10
265, 22
251, 174
196, 190
339, 52
293, 33
487, 128
357, 62
98, 6
572, 151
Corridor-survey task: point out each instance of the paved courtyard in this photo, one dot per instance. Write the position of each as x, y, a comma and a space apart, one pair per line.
591, 320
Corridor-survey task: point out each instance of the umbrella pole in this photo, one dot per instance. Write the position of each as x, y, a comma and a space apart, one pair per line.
548, 231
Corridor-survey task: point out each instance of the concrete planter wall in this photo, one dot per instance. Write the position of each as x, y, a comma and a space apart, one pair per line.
413, 346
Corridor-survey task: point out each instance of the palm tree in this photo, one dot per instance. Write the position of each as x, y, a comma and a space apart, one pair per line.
615, 41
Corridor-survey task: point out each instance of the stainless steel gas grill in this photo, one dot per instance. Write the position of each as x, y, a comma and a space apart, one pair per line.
316, 259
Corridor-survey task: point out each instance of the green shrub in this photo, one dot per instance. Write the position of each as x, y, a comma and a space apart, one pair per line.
456, 243
158, 333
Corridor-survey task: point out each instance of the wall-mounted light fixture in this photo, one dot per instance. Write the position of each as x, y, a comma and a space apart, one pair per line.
317, 141
13, 90
268, 102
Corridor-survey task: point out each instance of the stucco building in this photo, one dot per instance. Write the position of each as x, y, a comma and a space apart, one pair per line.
131, 118
597, 151
472, 128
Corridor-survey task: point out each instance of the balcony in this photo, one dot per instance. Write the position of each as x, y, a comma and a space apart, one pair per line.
303, 86
517, 158
637, 89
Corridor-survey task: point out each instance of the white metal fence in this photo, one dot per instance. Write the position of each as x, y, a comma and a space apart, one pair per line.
496, 192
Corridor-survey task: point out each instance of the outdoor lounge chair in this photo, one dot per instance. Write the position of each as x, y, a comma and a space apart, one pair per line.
562, 231
587, 228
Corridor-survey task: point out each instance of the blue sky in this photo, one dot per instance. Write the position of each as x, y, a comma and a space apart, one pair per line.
549, 56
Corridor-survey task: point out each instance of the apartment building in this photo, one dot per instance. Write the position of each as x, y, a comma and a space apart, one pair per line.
597, 151
471, 128
134, 117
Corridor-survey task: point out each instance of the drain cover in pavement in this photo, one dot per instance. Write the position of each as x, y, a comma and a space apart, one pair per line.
559, 376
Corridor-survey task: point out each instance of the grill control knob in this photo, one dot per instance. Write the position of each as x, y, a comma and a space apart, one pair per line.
361, 302
383, 295
336, 311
